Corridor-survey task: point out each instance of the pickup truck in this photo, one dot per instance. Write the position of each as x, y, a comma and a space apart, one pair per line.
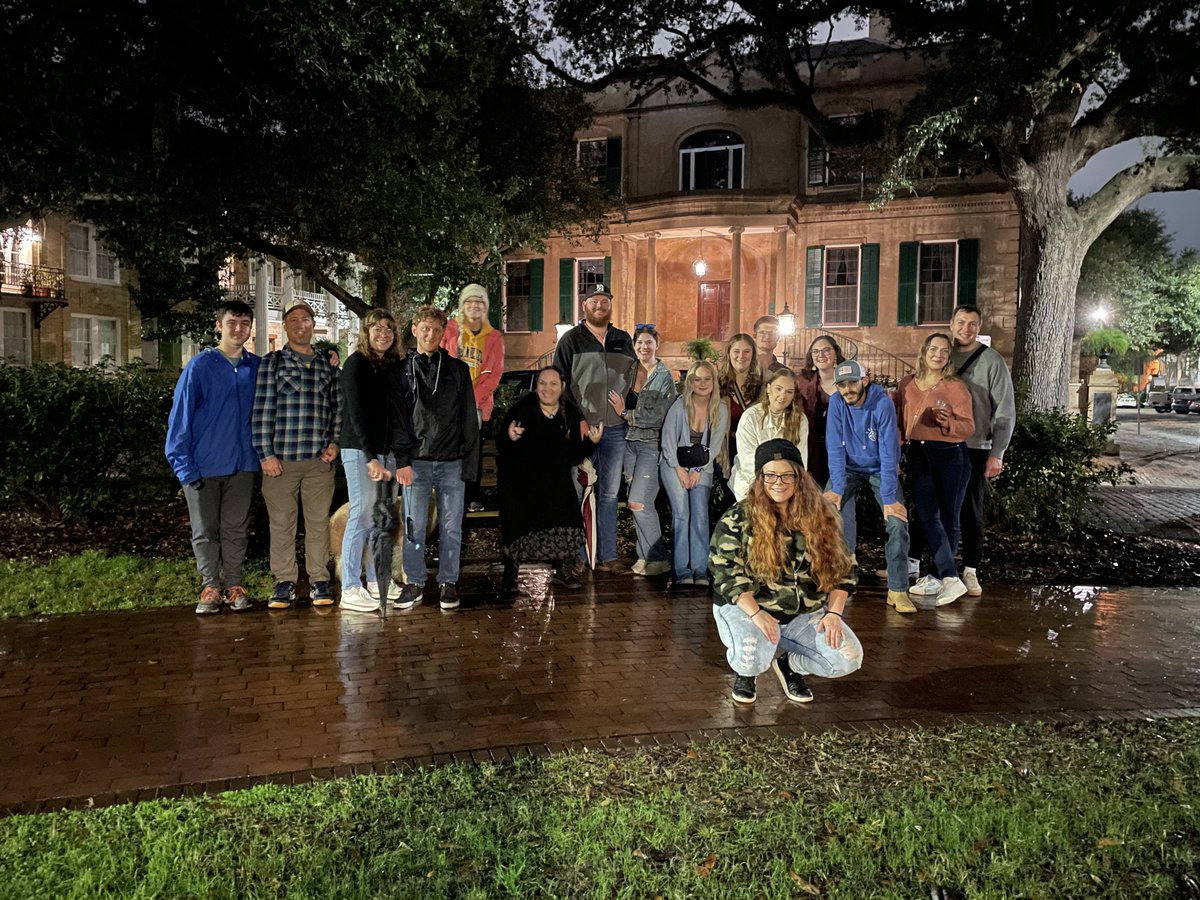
1182, 397
1160, 399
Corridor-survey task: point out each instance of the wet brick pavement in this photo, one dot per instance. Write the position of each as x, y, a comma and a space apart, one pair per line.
128, 706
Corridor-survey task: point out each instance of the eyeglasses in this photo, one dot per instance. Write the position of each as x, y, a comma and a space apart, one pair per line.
381, 327
822, 351
782, 478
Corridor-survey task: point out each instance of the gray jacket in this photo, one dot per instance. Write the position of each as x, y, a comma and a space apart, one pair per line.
992, 400
657, 395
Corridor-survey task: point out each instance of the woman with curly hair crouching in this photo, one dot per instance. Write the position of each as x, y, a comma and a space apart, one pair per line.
782, 576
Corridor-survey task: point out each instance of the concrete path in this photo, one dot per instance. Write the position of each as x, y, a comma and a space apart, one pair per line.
110, 708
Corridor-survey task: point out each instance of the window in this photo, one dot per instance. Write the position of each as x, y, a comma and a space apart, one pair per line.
93, 338
89, 257
711, 159
590, 272
841, 286
14, 336
936, 279
840, 166
517, 292
593, 159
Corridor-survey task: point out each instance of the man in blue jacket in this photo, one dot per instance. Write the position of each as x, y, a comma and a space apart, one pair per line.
209, 448
864, 451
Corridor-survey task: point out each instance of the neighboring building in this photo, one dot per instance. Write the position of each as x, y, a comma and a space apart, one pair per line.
64, 297
731, 214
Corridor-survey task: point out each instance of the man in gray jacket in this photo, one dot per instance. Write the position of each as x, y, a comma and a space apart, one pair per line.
988, 379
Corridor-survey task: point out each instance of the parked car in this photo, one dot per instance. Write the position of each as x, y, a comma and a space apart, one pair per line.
1182, 397
1194, 406
1160, 398
1126, 401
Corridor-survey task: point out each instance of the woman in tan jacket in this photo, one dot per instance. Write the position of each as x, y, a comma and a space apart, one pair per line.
933, 412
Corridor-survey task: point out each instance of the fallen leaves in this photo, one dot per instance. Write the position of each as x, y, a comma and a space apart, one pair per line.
705, 868
805, 886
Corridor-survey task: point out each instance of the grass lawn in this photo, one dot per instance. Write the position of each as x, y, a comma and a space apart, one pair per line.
1088, 810
96, 582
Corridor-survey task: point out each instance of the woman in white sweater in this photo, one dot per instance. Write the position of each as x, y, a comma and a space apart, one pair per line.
779, 414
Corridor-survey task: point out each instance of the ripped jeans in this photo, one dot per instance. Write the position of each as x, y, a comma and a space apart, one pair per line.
750, 653
641, 474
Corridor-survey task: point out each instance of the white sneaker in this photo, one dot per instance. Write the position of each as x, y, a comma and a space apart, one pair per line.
914, 569
393, 589
650, 569
926, 587
952, 589
357, 599
971, 580
639, 567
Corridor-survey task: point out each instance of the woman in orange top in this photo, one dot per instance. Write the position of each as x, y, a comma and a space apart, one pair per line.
934, 414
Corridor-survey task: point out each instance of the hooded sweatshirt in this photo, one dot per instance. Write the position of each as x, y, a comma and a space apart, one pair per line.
484, 355
864, 439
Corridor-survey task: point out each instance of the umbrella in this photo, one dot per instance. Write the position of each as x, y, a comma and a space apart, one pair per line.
586, 476
383, 523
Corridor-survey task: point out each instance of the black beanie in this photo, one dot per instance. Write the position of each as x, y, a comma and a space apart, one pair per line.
778, 448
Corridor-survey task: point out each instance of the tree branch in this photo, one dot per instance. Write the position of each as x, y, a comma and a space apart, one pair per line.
308, 265
1161, 173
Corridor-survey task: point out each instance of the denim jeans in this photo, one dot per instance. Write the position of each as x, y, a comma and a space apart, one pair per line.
361, 491
608, 460
446, 479
939, 471
748, 651
897, 530
689, 524
641, 474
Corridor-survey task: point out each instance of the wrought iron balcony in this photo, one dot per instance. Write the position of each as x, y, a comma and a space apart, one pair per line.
32, 281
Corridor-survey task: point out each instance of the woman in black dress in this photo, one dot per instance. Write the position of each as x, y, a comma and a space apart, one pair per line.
541, 441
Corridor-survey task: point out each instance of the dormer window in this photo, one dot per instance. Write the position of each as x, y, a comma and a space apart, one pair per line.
712, 160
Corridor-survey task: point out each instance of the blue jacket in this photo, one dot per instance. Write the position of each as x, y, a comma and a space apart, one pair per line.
864, 439
208, 432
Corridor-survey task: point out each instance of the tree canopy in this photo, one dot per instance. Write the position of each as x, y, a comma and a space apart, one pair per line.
413, 138
1033, 88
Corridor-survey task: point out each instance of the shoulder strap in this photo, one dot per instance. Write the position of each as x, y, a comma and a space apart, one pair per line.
971, 359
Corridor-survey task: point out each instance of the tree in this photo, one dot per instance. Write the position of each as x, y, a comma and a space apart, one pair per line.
411, 138
1035, 88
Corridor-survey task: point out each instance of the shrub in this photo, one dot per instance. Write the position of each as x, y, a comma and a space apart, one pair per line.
1050, 470
83, 442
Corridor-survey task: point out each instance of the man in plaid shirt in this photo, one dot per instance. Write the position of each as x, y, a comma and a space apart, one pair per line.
297, 416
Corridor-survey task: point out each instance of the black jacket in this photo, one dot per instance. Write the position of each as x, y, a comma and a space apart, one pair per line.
365, 404
591, 369
432, 411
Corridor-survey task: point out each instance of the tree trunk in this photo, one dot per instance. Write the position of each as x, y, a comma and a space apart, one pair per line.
1052, 254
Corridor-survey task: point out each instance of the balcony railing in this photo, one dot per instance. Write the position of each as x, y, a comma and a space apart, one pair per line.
33, 281
881, 366
317, 300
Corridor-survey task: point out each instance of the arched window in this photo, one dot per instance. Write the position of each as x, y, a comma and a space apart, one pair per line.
711, 159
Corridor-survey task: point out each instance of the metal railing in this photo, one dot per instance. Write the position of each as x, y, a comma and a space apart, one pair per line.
318, 301
33, 281
881, 366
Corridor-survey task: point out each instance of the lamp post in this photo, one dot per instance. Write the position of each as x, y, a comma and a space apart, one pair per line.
787, 327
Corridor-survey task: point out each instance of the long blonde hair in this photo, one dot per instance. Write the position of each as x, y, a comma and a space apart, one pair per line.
793, 416
948, 373
807, 512
714, 399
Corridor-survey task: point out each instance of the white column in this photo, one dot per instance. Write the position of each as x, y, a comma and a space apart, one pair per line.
735, 281
781, 233
261, 323
289, 286
651, 310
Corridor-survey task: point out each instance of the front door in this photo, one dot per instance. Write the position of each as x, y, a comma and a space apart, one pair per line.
712, 310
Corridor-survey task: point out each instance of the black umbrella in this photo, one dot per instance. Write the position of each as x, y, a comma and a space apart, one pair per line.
383, 523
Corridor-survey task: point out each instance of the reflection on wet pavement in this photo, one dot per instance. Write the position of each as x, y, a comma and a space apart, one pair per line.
114, 705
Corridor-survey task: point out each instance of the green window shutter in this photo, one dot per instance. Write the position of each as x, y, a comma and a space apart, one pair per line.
612, 181
906, 295
814, 283
493, 311
537, 287
608, 272
566, 290
868, 285
968, 269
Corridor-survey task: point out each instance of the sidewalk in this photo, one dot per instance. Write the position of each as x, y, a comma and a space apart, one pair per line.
1164, 500
131, 706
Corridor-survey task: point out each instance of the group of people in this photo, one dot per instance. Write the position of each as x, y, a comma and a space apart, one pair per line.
795, 447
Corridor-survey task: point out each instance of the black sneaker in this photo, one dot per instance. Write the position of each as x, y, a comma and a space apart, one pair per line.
284, 595
475, 506
743, 689
793, 682
449, 598
410, 596
565, 577
321, 594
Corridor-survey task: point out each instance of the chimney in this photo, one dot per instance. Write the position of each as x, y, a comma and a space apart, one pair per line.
878, 29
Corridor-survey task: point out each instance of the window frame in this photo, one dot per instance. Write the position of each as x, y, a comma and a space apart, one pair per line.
581, 289
507, 296
95, 251
815, 141
27, 354
825, 285
953, 282
600, 174
93, 340
691, 152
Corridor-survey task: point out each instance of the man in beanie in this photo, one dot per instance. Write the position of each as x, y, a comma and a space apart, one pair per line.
864, 452
781, 577
470, 337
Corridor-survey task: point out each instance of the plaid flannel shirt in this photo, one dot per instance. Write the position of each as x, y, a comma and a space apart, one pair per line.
297, 407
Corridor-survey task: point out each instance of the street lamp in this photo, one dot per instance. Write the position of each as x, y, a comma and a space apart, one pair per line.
787, 327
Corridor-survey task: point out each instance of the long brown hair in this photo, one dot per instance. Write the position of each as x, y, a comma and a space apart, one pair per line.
393, 353
807, 512
793, 416
948, 373
810, 367
727, 378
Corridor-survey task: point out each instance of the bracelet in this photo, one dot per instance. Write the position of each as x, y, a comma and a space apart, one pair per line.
830, 612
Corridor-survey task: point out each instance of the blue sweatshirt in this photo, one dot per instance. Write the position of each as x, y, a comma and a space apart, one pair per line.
208, 432
864, 439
